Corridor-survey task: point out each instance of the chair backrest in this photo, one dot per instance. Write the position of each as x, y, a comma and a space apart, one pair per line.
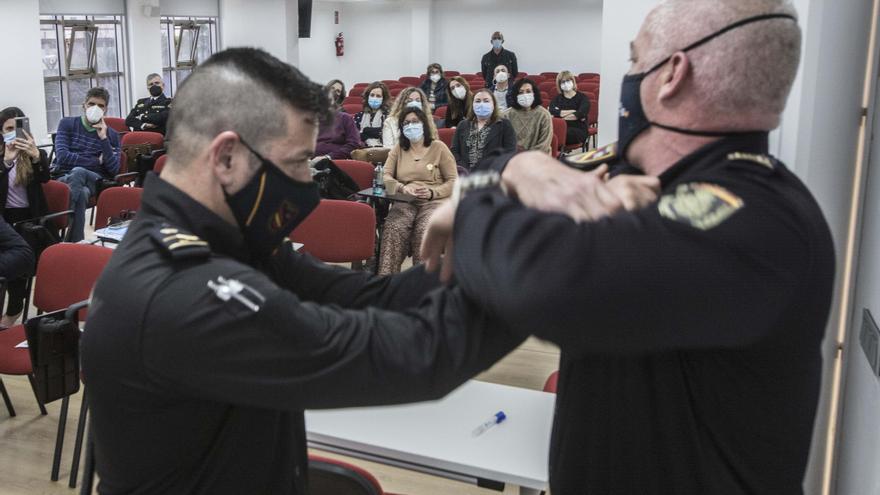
67, 273
593, 114
353, 99
410, 80
591, 87
334, 477
117, 124
352, 108
560, 131
395, 90
356, 91
547, 86
440, 112
587, 75
144, 137
360, 172
391, 82
550, 384
338, 231
451, 73
549, 75
545, 98
57, 199
446, 135
160, 164
554, 146
115, 200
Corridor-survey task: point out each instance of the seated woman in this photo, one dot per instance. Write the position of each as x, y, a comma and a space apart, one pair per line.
377, 103
338, 138
571, 105
531, 122
482, 132
501, 88
408, 98
419, 166
460, 99
435, 86
25, 168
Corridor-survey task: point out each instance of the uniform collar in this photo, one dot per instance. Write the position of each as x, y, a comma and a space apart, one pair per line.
178, 209
715, 152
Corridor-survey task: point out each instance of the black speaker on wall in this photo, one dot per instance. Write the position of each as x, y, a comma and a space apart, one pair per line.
305, 18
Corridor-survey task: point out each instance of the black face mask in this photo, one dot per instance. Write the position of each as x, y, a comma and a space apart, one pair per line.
632, 120
269, 207
155, 90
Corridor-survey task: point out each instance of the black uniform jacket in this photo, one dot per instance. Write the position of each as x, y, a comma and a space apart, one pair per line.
150, 111
193, 394
690, 330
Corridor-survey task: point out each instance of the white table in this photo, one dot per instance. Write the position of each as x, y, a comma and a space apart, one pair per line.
435, 437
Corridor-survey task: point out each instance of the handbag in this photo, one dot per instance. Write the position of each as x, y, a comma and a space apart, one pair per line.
333, 182
53, 344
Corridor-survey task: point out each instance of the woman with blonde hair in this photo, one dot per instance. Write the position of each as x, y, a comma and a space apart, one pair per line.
409, 97
571, 105
25, 168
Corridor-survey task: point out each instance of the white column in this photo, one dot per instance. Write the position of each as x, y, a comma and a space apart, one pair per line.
420, 35
22, 85
144, 46
267, 24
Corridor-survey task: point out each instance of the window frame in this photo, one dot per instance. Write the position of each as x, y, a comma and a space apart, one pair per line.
173, 28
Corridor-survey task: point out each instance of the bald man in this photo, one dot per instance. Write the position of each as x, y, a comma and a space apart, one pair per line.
690, 329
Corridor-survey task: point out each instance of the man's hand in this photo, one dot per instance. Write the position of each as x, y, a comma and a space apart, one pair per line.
635, 191
101, 127
436, 247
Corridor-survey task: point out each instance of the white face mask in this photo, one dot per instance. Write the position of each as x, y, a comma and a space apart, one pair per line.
459, 92
435, 77
501, 77
414, 104
567, 86
94, 114
525, 100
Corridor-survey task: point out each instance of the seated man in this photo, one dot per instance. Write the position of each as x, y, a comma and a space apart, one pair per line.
86, 150
151, 113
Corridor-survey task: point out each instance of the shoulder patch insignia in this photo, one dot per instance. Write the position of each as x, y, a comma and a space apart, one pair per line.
751, 157
140, 105
700, 205
179, 244
591, 159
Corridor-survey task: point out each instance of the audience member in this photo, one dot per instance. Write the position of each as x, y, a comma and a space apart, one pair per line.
338, 89
482, 132
501, 88
339, 137
16, 261
369, 121
421, 166
531, 122
435, 86
86, 150
571, 105
460, 98
498, 56
151, 113
25, 167
408, 98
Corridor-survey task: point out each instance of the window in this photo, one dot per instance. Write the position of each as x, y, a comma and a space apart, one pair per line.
186, 42
79, 53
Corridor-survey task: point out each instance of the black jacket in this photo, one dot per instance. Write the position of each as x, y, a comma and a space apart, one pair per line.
440, 97
150, 111
16, 257
193, 394
579, 103
501, 138
690, 330
490, 60
36, 198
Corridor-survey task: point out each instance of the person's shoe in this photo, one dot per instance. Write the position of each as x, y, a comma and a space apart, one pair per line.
9, 320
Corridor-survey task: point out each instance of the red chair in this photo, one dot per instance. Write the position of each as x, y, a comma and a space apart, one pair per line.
477, 84
548, 86
451, 73
549, 75
560, 131
593, 124
57, 202
361, 172
156, 140
353, 99
583, 76
410, 80
157, 146
470, 77
554, 147
338, 231
334, 477
440, 112
352, 108
116, 200
395, 91
117, 124
588, 87
160, 164
545, 98
391, 82
550, 384
446, 135
356, 91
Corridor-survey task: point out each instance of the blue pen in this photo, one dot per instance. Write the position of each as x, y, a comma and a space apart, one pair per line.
498, 418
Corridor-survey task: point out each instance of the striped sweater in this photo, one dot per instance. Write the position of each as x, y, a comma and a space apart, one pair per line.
77, 146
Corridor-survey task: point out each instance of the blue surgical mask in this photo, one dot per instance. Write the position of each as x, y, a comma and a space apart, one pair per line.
414, 132
496, 44
483, 109
8, 137
414, 104
374, 102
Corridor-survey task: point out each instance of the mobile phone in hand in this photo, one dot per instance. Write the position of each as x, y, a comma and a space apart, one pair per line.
22, 125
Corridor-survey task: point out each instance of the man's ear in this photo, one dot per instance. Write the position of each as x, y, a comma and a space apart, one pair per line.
221, 153
673, 76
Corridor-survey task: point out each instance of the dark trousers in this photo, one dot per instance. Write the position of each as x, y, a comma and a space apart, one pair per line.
575, 135
17, 288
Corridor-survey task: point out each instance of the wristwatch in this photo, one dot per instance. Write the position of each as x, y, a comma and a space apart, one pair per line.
477, 180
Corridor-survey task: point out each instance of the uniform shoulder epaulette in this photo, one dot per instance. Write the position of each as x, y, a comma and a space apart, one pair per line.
591, 159
180, 244
761, 159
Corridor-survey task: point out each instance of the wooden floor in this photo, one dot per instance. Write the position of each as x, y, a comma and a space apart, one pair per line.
27, 440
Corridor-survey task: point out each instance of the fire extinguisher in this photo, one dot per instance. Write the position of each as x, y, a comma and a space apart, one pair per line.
340, 45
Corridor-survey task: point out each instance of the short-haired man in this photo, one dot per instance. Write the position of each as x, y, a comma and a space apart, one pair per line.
498, 55
151, 113
690, 329
86, 150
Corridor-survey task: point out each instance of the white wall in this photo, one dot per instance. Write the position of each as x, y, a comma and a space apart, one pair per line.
267, 24
23, 87
194, 8
82, 7
144, 42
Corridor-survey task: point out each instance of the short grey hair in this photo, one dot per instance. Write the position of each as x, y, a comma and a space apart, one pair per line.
747, 70
152, 76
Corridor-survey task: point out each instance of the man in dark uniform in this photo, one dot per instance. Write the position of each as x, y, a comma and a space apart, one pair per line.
498, 56
690, 329
199, 358
151, 113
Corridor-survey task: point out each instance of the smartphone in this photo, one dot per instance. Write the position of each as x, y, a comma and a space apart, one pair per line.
22, 124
